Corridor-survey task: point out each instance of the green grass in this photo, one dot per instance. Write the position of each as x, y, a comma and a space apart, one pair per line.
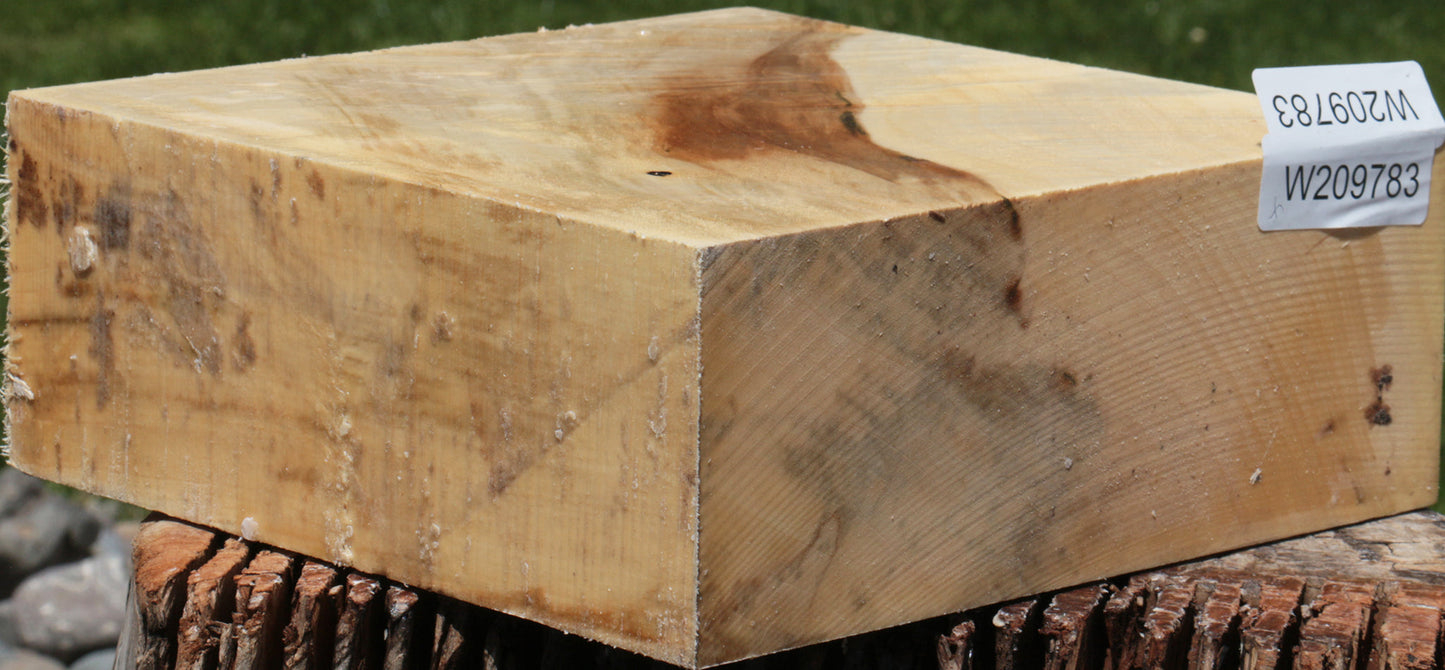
1217, 42
1207, 41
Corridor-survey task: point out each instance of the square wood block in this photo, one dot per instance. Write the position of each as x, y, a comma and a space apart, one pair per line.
710, 335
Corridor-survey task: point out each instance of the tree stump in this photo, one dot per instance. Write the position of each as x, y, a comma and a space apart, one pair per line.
1363, 596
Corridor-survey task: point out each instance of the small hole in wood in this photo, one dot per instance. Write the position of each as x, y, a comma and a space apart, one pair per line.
659, 173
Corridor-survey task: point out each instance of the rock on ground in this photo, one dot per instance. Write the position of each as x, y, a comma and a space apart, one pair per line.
37, 530
71, 609
21, 659
101, 659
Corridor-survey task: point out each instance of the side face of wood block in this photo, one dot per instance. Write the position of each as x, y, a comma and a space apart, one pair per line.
370, 372
711, 335
985, 415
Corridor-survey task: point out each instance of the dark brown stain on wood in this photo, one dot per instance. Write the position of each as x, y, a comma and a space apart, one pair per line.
102, 349
317, 184
243, 348
793, 98
1382, 377
442, 328
1024, 393
113, 216
1378, 413
69, 202
1013, 297
30, 202
179, 255
509, 464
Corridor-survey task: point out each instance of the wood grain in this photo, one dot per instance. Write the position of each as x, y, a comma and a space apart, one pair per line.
1407, 626
754, 332
263, 592
308, 640
1216, 641
210, 600
165, 554
1072, 627
359, 644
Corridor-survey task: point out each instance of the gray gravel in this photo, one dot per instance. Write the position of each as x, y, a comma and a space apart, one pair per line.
71, 609
24, 659
38, 528
100, 659
64, 572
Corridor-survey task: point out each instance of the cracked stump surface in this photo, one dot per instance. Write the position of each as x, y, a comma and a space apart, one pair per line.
1364, 596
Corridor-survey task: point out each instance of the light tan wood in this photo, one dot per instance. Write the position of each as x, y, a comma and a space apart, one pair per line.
709, 335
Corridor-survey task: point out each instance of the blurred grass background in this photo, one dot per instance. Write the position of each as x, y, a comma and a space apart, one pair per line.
1216, 42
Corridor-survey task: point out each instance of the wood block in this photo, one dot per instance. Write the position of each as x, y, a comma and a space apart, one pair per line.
710, 335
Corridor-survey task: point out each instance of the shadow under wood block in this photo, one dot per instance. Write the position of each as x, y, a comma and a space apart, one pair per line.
758, 332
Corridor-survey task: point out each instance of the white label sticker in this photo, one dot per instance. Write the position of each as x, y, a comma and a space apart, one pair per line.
1348, 145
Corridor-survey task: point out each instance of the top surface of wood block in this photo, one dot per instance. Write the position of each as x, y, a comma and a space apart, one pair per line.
767, 123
